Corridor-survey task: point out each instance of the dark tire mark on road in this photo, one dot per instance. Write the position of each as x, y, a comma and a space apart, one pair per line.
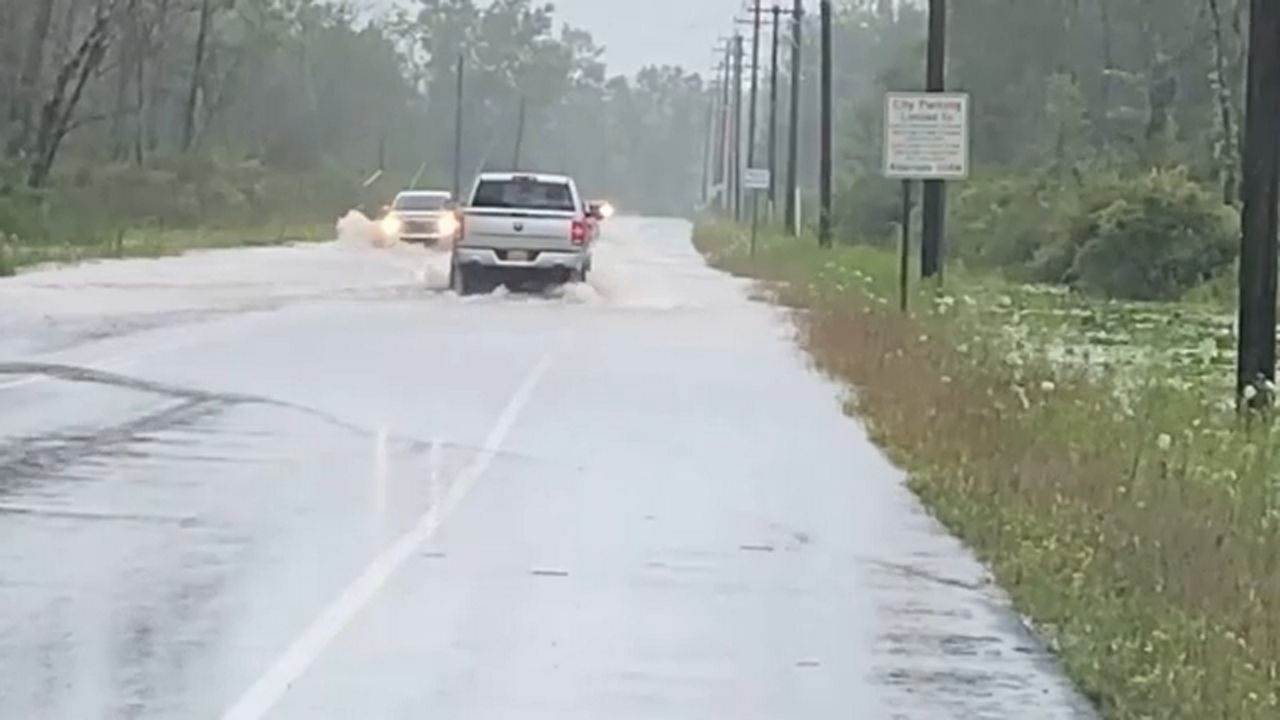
29, 455
29, 458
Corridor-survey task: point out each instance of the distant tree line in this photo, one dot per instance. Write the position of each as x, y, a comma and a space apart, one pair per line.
191, 111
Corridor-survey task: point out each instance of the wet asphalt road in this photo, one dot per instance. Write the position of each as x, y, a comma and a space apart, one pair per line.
307, 483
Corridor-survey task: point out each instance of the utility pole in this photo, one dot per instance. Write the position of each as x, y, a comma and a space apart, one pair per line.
824, 177
935, 191
1260, 190
515, 165
457, 130
773, 115
722, 135
708, 150
736, 151
755, 84
793, 131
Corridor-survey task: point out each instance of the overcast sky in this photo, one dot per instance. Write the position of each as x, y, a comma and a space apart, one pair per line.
644, 32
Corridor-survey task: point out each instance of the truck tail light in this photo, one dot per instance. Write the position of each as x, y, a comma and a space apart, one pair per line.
578, 232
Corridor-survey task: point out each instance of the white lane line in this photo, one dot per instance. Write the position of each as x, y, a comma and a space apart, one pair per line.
307, 648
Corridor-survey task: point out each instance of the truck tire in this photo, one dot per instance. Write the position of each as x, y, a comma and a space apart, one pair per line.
461, 280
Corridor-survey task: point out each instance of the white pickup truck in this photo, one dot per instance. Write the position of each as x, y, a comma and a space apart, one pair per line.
523, 227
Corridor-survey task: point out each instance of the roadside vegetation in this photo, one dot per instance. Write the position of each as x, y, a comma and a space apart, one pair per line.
1082, 448
1106, 137
1065, 402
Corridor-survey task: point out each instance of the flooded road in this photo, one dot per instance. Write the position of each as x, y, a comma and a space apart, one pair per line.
308, 483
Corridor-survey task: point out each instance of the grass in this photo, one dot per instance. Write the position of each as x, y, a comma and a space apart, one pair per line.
155, 243
1082, 449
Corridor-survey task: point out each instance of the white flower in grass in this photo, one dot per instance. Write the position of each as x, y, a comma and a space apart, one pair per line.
946, 379
1164, 442
1022, 397
1048, 386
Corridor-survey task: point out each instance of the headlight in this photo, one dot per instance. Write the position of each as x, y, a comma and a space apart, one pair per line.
391, 225
448, 224
606, 211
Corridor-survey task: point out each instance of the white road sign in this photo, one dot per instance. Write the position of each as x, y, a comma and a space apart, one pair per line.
756, 179
926, 136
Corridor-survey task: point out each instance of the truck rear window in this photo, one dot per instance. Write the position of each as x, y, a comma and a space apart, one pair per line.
522, 193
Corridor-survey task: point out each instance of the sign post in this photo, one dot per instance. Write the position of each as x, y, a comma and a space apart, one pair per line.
757, 182
926, 137
904, 260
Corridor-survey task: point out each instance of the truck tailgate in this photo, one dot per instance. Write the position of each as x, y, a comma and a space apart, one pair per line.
518, 229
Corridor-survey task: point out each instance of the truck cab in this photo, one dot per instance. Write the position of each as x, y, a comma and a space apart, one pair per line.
421, 216
523, 227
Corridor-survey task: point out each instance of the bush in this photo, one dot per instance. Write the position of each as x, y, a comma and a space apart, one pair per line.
868, 210
1150, 237
93, 205
1005, 223
1153, 238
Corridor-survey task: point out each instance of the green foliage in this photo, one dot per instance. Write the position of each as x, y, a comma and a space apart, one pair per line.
1145, 237
1153, 238
871, 211
187, 192
8, 265
1010, 222
1082, 116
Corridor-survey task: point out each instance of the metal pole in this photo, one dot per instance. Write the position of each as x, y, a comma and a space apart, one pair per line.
1260, 190
737, 128
824, 177
457, 130
755, 220
904, 259
722, 138
707, 150
773, 116
935, 191
793, 132
755, 85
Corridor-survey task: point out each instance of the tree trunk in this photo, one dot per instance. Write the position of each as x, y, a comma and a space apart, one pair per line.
140, 100
1228, 158
197, 73
128, 54
1108, 67
157, 46
57, 112
29, 80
